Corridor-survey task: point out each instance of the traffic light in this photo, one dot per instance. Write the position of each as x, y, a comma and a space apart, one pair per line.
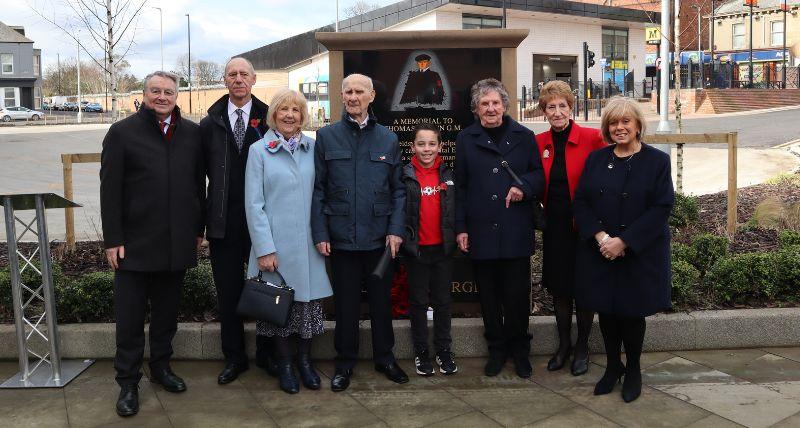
590, 59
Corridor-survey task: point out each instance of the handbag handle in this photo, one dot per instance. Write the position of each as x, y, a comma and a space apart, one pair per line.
283, 281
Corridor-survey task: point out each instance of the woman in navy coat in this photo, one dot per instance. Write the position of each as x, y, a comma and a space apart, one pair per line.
621, 208
494, 220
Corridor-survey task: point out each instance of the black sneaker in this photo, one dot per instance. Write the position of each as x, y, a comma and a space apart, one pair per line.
445, 361
422, 362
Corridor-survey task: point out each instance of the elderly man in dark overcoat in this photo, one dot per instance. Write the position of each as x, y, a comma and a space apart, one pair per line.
357, 209
234, 122
151, 204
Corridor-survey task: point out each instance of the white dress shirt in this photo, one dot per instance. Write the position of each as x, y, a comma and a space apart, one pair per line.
232, 116
167, 121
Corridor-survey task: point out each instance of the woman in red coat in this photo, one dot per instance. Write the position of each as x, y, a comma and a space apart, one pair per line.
563, 150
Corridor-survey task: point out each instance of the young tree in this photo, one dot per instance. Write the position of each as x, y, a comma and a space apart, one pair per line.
359, 7
109, 25
207, 72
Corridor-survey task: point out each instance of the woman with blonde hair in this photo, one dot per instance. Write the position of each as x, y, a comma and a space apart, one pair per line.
279, 181
563, 150
621, 207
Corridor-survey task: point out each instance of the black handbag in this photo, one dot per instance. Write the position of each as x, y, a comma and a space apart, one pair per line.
266, 297
539, 221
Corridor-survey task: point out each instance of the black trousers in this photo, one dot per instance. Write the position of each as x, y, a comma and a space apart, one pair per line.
350, 271
504, 290
132, 292
228, 257
429, 283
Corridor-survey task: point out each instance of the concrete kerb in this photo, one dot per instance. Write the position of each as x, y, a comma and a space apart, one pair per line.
741, 328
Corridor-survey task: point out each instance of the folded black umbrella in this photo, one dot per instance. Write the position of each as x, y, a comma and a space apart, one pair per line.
383, 263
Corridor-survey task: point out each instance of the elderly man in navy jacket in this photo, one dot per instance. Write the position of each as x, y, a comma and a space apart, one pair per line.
357, 210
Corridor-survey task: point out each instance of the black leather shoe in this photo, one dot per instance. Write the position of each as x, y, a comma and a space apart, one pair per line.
341, 380
558, 360
522, 365
494, 365
128, 401
286, 378
269, 365
308, 375
610, 378
580, 365
393, 372
632, 386
169, 380
231, 372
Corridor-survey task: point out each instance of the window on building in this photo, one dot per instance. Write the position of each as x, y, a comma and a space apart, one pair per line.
10, 97
37, 97
7, 63
312, 90
477, 22
37, 65
615, 44
776, 33
738, 36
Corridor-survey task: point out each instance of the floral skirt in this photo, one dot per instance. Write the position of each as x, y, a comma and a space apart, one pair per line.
305, 320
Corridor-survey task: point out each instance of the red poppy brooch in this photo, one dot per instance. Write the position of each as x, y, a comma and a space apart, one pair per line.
273, 144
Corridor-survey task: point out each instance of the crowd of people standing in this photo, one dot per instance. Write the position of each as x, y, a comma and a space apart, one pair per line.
267, 197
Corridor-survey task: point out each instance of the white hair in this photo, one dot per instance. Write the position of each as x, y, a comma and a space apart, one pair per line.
355, 76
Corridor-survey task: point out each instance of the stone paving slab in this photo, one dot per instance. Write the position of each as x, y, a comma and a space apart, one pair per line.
682, 389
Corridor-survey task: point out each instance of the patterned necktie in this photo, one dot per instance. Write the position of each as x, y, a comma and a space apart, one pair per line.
238, 130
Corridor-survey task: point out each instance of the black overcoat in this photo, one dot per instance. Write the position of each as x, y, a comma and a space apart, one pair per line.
497, 232
152, 192
631, 201
218, 145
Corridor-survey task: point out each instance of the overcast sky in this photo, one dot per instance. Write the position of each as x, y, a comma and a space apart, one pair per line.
219, 29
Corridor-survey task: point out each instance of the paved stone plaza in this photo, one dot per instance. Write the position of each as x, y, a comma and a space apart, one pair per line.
722, 388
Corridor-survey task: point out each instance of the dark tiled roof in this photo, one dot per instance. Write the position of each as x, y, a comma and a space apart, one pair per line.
9, 35
292, 50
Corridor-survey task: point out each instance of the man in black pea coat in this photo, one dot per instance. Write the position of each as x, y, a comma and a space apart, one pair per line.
225, 152
151, 203
424, 86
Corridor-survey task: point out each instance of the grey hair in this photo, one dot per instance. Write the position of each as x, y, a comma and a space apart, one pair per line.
249, 64
483, 87
358, 76
164, 74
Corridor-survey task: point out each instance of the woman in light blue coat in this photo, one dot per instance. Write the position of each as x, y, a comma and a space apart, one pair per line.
279, 181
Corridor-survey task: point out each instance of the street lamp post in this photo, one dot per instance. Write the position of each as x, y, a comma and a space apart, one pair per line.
711, 44
663, 122
750, 72
189, 33
785, 8
78, 70
699, 46
161, 31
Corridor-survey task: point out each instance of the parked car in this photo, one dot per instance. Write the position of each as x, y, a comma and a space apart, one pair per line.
70, 106
46, 106
8, 114
93, 107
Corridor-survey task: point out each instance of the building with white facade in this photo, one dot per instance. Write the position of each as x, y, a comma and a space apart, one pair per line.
552, 50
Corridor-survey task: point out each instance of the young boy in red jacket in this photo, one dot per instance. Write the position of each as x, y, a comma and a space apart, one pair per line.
429, 245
